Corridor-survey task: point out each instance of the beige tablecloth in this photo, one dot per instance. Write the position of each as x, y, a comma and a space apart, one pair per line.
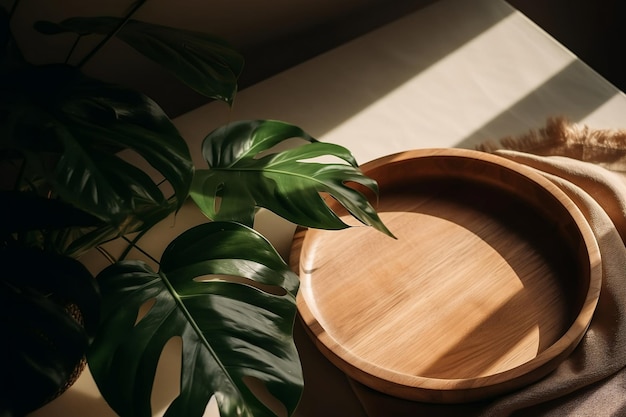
590, 166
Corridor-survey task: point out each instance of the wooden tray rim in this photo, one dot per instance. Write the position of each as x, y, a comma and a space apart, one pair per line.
462, 389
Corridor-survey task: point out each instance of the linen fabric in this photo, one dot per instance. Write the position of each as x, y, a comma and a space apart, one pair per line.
590, 166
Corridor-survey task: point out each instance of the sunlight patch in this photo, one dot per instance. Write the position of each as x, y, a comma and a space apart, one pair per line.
144, 309
167, 378
259, 389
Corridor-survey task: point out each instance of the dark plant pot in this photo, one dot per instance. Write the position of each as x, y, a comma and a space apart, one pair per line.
49, 310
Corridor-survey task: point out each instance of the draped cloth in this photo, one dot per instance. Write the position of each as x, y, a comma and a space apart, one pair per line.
590, 166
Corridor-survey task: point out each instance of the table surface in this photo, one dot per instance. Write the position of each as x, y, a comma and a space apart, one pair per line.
453, 74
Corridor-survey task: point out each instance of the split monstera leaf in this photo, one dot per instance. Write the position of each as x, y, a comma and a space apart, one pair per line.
221, 287
290, 183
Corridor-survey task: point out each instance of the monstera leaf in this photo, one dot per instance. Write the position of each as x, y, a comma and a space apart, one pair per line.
205, 63
225, 292
69, 129
290, 182
49, 311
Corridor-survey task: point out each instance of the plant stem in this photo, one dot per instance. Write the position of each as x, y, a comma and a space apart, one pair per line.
108, 37
106, 254
133, 244
10, 17
73, 48
13, 8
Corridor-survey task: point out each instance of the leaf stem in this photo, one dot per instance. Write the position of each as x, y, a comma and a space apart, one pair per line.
13, 8
9, 18
133, 244
73, 48
107, 255
108, 37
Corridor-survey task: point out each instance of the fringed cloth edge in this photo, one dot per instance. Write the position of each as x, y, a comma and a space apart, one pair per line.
604, 147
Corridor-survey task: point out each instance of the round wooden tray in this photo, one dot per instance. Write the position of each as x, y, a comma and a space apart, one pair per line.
491, 283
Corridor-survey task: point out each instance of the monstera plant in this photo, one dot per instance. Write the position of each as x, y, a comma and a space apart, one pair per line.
220, 287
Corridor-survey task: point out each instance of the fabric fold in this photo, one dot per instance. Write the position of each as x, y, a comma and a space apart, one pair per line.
573, 388
589, 165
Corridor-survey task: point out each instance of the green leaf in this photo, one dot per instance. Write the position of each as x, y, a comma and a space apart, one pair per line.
43, 341
70, 129
228, 295
290, 182
205, 63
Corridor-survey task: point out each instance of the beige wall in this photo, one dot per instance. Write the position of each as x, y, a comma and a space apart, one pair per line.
272, 35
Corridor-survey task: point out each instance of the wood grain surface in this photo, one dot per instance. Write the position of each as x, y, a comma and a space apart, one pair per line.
491, 282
